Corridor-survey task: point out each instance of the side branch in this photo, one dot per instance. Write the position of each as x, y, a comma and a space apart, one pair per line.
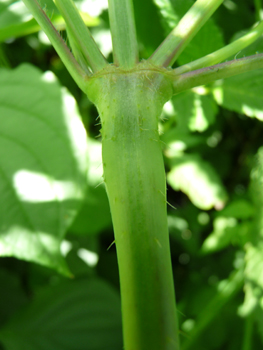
222, 54
170, 49
219, 71
78, 74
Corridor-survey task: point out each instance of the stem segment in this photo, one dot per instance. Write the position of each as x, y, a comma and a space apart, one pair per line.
129, 104
167, 53
123, 32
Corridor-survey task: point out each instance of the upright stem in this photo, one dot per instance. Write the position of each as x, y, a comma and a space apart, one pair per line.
81, 35
123, 32
129, 104
167, 53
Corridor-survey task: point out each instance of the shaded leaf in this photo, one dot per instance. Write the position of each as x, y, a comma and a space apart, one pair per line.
43, 174
197, 179
254, 279
82, 314
239, 209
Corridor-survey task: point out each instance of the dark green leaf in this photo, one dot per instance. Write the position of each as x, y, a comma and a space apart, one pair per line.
82, 314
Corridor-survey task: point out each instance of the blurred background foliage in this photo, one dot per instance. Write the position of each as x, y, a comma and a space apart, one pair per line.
54, 215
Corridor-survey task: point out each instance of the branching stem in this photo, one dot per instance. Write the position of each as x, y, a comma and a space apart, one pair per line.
81, 35
78, 74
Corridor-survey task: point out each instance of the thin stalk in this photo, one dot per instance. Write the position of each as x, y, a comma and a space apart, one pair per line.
257, 9
219, 71
82, 37
129, 104
78, 74
248, 333
167, 53
222, 54
213, 308
123, 32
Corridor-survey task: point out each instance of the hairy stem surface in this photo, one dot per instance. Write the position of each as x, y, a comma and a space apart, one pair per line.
129, 103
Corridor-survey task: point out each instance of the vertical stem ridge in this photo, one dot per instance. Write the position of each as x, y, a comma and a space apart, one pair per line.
123, 31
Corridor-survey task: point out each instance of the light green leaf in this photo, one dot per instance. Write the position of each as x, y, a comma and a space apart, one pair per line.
173, 10
94, 215
224, 230
197, 112
17, 21
82, 314
254, 279
197, 179
242, 93
43, 160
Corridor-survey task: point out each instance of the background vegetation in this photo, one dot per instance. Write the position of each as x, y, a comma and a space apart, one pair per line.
212, 137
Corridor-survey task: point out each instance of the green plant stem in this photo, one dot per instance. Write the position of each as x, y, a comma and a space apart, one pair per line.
248, 333
129, 104
78, 74
219, 71
257, 9
84, 42
232, 286
167, 53
222, 54
123, 32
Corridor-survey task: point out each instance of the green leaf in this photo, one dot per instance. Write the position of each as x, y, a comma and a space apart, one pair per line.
172, 11
239, 209
242, 93
194, 111
254, 279
17, 21
82, 314
94, 216
197, 179
43, 152
226, 231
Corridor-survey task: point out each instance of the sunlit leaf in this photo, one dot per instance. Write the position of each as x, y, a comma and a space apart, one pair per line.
197, 112
82, 314
197, 178
242, 93
43, 160
17, 21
